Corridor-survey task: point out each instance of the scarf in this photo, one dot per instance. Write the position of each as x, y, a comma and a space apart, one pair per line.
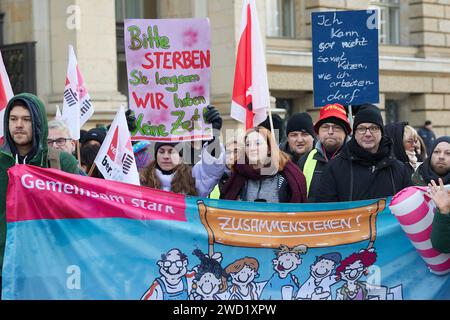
244, 172
384, 151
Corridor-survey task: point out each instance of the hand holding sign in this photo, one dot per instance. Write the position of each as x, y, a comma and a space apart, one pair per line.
168, 63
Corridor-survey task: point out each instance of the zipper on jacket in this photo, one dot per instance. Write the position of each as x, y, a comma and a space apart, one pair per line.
373, 169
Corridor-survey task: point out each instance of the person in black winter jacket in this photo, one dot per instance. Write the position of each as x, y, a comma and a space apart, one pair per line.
405, 139
366, 168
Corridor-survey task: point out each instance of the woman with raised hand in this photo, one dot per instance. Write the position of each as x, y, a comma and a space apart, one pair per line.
169, 173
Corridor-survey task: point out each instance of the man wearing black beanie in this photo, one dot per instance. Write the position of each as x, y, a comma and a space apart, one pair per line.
366, 168
300, 136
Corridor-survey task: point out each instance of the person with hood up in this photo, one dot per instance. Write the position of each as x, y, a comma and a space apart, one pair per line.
405, 140
436, 166
264, 173
168, 172
366, 168
25, 132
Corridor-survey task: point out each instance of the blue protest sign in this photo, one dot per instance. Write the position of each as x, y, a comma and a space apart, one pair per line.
345, 57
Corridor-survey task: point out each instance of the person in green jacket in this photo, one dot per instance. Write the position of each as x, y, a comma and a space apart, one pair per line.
440, 233
25, 142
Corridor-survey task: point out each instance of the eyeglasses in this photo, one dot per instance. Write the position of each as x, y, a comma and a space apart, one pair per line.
327, 127
372, 129
59, 142
168, 264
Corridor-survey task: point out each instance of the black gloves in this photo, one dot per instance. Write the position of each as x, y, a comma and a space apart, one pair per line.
131, 120
213, 116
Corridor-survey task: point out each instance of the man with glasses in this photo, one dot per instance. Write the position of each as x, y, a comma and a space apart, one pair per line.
175, 282
59, 137
366, 168
332, 130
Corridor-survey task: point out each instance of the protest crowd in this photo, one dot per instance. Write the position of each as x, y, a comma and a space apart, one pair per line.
340, 157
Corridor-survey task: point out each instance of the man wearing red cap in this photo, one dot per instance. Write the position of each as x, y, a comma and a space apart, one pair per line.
332, 130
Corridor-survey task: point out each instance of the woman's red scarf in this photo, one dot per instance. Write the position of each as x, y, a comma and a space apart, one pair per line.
295, 178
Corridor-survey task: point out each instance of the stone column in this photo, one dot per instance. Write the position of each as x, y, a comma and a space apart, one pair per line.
90, 26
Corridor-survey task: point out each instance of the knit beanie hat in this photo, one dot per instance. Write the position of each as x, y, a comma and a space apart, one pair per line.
277, 124
436, 142
171, 144
336, 114
368, 113
301, 122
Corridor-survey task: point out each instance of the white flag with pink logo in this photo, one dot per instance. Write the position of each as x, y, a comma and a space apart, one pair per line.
115, 159
6, 94
77, 106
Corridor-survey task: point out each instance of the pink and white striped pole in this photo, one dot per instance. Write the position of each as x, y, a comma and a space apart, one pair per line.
415, 213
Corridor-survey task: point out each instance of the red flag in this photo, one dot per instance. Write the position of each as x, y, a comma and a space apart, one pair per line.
251, 97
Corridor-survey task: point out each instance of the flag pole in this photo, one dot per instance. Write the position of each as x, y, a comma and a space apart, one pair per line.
91, 171
350, 115
271, 122
79, 154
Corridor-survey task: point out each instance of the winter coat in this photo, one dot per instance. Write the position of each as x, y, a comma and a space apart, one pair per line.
247, 184
425, 173
317, 155
39, 156
427, 136
440, 233
206, 173
357, 175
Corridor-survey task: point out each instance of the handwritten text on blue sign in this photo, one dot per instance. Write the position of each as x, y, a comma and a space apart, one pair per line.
345, 57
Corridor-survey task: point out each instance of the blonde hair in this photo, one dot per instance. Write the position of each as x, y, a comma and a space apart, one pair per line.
409, 132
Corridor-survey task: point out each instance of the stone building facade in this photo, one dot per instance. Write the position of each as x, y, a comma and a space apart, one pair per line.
414, 50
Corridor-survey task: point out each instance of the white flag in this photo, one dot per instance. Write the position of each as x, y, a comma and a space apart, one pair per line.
77, 107
251, 97
115, 159
58, 115
6, 94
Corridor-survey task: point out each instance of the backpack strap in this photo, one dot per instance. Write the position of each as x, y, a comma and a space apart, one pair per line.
53, 158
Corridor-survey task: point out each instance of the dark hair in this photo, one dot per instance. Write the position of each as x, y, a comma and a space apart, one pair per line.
210, 265
88, 153
427, 123
334, 256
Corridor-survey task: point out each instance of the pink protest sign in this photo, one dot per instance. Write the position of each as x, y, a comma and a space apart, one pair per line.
168, 65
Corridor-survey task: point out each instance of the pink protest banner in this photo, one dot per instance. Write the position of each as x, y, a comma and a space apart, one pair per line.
168, 65
61, 194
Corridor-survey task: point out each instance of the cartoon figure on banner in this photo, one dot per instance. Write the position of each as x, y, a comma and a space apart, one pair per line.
283, 285
210, 278
242, 273
175, 282
318, 285
351, 270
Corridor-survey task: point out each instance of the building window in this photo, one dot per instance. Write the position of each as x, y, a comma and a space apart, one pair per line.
280, 18
389, 20
392, 111
129, 9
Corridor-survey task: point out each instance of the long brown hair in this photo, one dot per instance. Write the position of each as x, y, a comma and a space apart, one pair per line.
278, 158
182, 181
